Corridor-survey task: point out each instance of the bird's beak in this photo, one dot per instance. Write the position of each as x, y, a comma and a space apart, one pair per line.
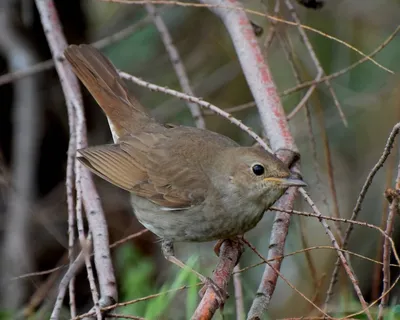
288, 182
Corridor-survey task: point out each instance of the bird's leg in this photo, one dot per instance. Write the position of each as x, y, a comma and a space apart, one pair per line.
168, 251
217, 247
239, 239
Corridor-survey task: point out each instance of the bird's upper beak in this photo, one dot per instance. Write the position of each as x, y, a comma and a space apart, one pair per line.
288, 182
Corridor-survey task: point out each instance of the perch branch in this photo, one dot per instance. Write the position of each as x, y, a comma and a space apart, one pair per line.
259, 79
94, 212
229, 255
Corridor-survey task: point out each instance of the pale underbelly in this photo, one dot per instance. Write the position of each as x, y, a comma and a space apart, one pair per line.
194, 224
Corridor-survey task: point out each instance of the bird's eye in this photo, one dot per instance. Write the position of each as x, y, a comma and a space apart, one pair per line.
258, 169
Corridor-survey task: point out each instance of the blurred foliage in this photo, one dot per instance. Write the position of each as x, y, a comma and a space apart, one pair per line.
135, 270
368, 95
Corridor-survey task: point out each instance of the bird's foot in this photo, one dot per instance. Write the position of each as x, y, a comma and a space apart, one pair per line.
220, 294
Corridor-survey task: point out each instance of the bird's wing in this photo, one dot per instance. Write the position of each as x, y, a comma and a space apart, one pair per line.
160, 167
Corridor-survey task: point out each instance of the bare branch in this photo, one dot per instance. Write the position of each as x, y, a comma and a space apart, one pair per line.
345, 70
62, 288
95, 214
200, 102
230, 252
49, 64
357, 208
176, 63
345, 263
393, 210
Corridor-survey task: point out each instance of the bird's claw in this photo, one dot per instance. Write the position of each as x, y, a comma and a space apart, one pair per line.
221, 294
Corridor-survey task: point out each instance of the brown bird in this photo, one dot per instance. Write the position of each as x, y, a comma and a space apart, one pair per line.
186, 184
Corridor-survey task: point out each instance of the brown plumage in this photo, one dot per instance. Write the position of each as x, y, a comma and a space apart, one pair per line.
186, 184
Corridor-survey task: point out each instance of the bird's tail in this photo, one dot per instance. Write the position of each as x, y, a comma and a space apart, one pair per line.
102, 80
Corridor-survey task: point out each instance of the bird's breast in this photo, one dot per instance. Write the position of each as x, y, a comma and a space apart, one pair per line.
210, 220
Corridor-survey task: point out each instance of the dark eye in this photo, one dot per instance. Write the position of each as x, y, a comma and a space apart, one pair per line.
258, 169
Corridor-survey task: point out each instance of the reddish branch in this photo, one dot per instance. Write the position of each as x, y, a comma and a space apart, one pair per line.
229, 253
275, 126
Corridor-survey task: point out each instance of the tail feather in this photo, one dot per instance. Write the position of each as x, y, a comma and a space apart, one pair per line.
102, 80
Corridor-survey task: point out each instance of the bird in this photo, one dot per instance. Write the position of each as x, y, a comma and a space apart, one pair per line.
186, 184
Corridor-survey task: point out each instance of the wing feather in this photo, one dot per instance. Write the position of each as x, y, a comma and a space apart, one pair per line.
159, 166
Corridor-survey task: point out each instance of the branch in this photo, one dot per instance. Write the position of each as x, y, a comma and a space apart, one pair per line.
230, 253
342, 258
275, 126
176, 63
394, 209
360, 200
198, 101
49, 64
317, 64
84, 182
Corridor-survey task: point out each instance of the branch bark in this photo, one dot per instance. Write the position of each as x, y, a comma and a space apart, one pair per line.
275, 126
91, 201
229, 253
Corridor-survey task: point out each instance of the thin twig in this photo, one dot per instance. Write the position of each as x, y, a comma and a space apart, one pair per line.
329, 166
344, 70
123, 316
360, 223
200, 102
305, 98
301, 251
242, 11
393, 210
272, 29
237, 108
357, 208
374, 302
85, 245
113, 245
62, 288
127, 303
377, 273
43, 291
345, 263
310, 262
285, 280
289, 52
49, 64
176, 63
320, 70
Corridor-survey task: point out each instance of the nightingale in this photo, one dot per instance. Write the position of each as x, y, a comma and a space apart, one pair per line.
186, 184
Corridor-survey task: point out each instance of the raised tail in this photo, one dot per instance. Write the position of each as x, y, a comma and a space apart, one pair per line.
102, 80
